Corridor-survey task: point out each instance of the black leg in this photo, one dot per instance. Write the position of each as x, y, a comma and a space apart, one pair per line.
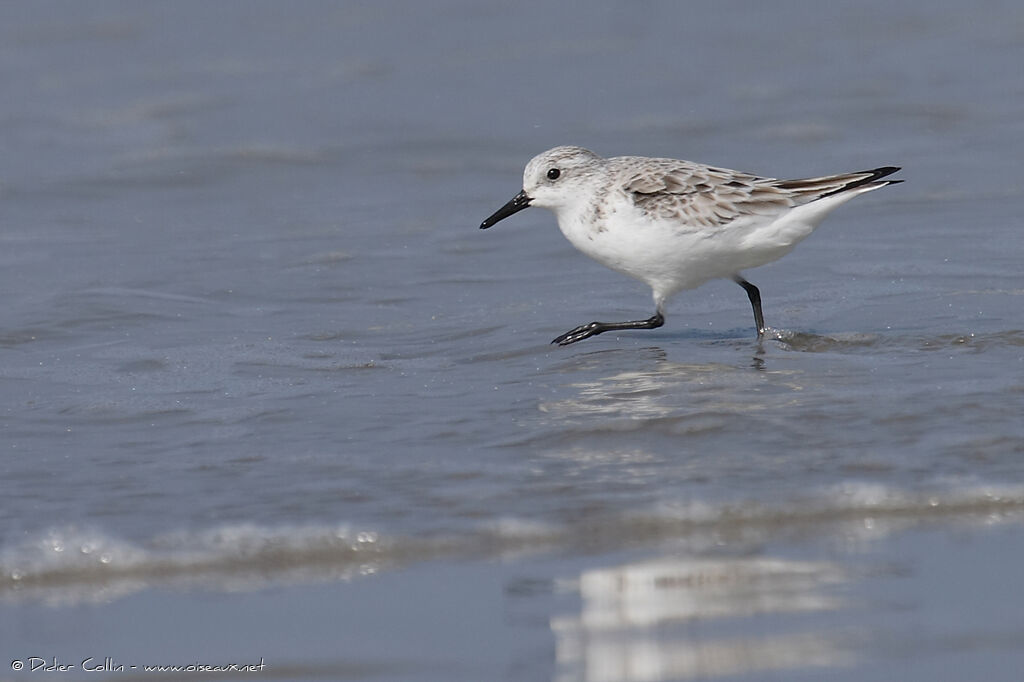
585, 331
755, 301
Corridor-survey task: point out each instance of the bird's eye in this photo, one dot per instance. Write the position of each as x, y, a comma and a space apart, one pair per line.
553, 174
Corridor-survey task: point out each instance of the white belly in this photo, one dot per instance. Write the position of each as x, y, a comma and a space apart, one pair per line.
670, 256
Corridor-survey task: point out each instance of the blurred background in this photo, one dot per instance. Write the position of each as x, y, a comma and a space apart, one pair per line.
267, 393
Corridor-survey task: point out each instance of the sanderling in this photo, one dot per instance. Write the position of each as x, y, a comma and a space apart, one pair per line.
676, 224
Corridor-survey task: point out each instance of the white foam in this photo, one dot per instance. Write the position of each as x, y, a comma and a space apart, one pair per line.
72, 564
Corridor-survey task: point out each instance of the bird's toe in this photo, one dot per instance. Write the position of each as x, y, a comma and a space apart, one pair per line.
581, 332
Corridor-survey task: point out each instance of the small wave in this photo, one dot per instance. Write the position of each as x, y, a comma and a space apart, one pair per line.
854, 341
73, 564
858, 500
817, 343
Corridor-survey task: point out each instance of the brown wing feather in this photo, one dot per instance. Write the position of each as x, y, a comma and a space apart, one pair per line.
704, 196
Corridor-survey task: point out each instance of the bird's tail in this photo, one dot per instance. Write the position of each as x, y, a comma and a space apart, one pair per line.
812, 189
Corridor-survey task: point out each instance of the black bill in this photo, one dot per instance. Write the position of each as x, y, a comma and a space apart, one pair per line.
518, 203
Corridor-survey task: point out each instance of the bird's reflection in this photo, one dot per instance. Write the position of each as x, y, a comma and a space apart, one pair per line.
637, 622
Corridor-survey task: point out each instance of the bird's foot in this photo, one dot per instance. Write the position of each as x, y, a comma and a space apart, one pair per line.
584, 331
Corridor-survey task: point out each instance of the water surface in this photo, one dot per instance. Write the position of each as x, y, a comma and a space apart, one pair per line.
257, 358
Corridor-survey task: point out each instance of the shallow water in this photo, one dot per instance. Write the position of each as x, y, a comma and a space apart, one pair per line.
254, 345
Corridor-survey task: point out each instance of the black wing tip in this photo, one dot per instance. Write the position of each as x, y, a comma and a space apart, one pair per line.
869, 177
882, 172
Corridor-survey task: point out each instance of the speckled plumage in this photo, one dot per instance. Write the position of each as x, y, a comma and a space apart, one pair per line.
676, 224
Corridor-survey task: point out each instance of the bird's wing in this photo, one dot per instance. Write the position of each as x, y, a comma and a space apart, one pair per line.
810, 189
703, 196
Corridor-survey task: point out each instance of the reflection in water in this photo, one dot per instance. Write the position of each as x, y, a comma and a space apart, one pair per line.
659, 391
636, 622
